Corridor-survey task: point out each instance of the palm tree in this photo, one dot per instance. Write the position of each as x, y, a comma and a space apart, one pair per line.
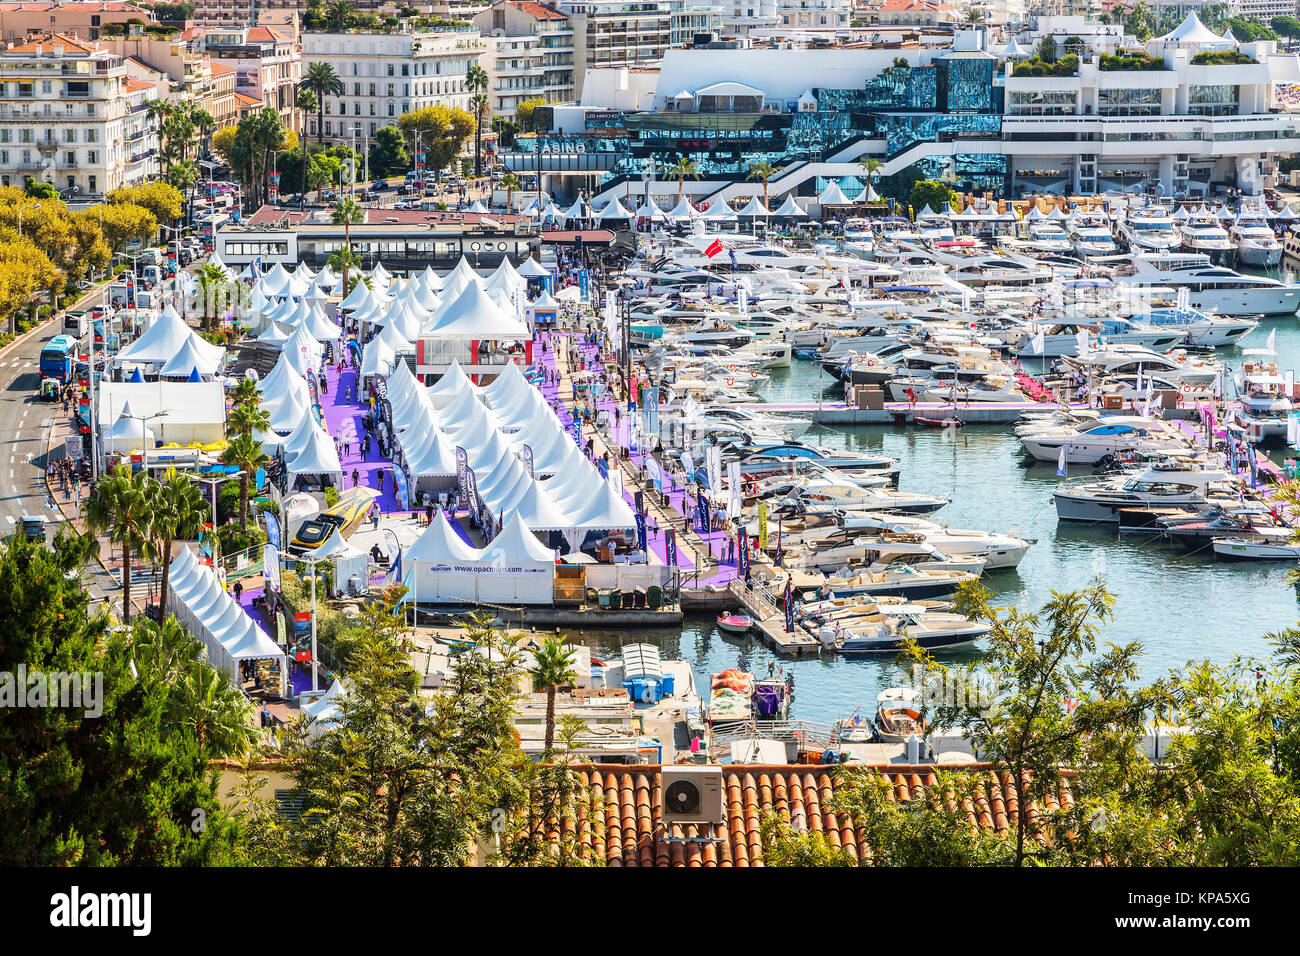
872, 168
212, 710
178, 511
121, 506
510, 183
249, 419
307, 101
763, 171
245, 453
321, 79
679, 171
553, 664
158, 111
212, 286
347, 211
246, 392
476, 81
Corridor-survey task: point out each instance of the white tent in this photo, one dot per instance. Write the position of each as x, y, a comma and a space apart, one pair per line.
358, 297
164, 339
532, 269
682, 211
613, 210
790, 208
579, 210
754, 208
477, 207
473, 315
317, 457
650, 211
453, 383
324, 711
832, 195
273, 334
190, 357
127, 434
377, 358
526, 572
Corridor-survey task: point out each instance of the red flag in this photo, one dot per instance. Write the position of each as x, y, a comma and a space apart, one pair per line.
714, 248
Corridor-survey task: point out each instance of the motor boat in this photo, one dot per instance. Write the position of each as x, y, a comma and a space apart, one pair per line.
1046, 235
1203, 234
1197, 530
1093, 439
1213, 288
1092, 238
1149, 230
1126, 359
998, 551
1200, 328
1159, 486
1264, 408
1257, 246
885, 631
738, 624
1247, 549
898, 715
1054, 341
859, 240
899, 580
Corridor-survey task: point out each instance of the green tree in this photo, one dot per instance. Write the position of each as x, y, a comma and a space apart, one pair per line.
178, 514
121, 507
476, 82
116, 788
524, 112
932, 193
39, 190
764, 172
346, 212
511, 184
245, 453
1288, 27
388, 153
552, 669
679, 171
322, 81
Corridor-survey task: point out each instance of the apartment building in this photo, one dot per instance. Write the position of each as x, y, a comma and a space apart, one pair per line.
616, 33
530, 53
20, 21
266, 63
385, 75
691, 18
70, 116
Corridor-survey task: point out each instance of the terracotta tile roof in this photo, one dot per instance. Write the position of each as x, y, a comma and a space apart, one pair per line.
48, 42
220, 69
244, 100
265, 34
620, 821
133, 86
536, 10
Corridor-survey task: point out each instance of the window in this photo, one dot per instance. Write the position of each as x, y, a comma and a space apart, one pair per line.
1139, 102
71, 158
92, 135
92, 184
1043, 102
1212, 100
390, 69
372, 89
69, 135
92, 157
47, 86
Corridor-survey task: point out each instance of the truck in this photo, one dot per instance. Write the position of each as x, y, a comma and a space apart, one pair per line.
76, 323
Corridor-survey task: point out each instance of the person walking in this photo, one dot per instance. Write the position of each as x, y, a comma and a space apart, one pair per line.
356, 478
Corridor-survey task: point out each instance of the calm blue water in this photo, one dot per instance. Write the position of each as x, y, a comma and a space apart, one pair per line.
1179, 607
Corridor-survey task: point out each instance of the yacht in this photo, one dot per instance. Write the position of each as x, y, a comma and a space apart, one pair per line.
1091, 238
1158, 486
998, 551
1126, 359
745, 419
859, 240
1256, 244
1200, 328
1261, 390
1213, 288
1046, 235
1203, 234
883, 630
1063, 339
1149, 230
1091, 440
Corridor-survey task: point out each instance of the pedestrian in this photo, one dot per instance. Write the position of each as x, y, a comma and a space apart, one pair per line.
356, 477
379, 478
239, 590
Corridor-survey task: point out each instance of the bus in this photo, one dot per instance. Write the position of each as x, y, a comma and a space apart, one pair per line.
57, 358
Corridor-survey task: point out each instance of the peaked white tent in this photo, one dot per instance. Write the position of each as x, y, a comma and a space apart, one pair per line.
473, 315
683, 211
351, 565
127, 434
532, 269
613, 210
790, 208
832, 195
190, 357
318, 457
754, 209
164, 339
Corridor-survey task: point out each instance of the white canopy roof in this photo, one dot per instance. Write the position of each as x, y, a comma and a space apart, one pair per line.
515, 543
1192, 32
832, 195
613, 210
165, 338
473, 315
190, 357
530, 268
790, 207
440, 543
754, 208
317, 457
683, 210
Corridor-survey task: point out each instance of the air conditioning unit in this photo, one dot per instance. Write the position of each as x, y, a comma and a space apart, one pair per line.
691, 795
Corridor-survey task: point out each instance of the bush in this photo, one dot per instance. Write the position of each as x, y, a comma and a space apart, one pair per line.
331, 496
234, 540
1132, 61
1067, 65
1221, 58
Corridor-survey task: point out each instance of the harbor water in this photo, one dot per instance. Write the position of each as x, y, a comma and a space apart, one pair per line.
1179, 607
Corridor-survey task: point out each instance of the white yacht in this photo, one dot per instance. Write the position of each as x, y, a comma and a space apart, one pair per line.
1149, 230
1203, 234
1046, 235
1200, 328
1158, 486
1063, 339
1091, 440
1092, 237
1213, 288
1125, 359
859, 240
1261, 389
1256, 244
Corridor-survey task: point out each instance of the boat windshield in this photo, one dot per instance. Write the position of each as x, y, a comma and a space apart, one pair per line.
1158, 487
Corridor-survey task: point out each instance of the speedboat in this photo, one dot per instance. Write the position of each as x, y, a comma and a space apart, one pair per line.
735, 623
859, 240
1200, 328
1246, 549
900, 580
1265, 407
1093, 439
898, 715
1149, 230
1160, 486
885, 631
1092, 238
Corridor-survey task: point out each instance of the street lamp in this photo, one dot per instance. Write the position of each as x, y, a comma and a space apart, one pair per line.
214, 482
144, 441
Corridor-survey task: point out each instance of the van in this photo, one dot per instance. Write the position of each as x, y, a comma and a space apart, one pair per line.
150, 257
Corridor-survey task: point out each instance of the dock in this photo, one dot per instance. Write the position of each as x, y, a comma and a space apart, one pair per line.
769, 621
902, 413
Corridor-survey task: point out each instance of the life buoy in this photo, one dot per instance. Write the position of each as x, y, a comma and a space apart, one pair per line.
1187, 387
731, 381
871, 363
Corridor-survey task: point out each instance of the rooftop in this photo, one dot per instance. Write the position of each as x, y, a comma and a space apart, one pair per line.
625, 801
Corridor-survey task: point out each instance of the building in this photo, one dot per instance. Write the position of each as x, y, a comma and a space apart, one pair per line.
20, 21
914, 13
530, 54
235, 14
386, 75
1180, 125
70, 116
615, 33
814, 14
223, 108
693, 18
266, 64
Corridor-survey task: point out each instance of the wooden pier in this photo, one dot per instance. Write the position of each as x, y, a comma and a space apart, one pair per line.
769, 622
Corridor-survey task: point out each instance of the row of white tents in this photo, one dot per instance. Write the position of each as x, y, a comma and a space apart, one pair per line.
523, 461
717, 211
199, 601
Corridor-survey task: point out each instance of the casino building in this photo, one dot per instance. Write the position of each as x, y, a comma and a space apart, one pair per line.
1189, 113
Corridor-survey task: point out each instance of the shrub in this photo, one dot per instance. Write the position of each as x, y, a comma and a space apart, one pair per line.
1129, 60
1067, 65
1221, 58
